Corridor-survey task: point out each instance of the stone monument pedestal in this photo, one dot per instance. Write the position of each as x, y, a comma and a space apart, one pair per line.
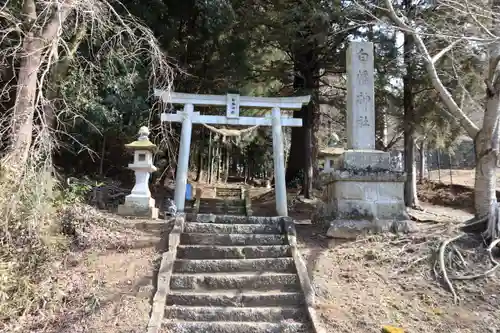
364, 201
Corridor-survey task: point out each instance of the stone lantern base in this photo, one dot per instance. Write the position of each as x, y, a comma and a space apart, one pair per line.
138, 207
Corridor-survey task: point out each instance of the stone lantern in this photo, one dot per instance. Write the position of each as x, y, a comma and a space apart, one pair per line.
139, 202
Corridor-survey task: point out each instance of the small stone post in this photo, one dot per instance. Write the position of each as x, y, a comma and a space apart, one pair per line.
139, 202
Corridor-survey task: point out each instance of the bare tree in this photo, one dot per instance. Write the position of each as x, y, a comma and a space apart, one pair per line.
42, 35
478, 25
38, 46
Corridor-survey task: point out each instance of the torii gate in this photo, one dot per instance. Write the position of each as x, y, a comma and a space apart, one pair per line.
233, 102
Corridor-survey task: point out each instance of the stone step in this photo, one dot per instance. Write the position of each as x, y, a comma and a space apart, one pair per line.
222, 204
277, 265
232, 239
240, 212
232, 252
217, 208
235, 298
250, 280
235, 204
254, 314
232, 200
175, 326
222, 228
228, 219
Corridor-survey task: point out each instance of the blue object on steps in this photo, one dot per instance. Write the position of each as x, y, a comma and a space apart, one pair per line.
189, 191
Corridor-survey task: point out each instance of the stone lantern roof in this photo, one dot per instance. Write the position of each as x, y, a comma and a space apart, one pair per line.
331, 151
142, 143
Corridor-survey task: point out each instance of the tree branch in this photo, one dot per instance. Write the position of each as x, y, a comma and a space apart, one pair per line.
51, 30
444, 94
444, 51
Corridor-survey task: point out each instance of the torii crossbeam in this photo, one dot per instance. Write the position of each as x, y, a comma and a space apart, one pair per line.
233, 102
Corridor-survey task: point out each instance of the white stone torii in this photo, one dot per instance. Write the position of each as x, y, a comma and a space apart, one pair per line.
233, 102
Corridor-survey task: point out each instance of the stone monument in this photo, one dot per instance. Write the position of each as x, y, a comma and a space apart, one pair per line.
362, 193
139, 202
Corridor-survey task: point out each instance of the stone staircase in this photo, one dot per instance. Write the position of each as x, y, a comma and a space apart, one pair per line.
222, 206
235, 274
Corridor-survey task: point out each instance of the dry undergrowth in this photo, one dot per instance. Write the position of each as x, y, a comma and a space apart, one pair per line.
66, 267
398, 280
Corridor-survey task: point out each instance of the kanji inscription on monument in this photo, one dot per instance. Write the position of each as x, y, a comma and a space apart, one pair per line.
360, 96
364, 102
363, 121
363, 77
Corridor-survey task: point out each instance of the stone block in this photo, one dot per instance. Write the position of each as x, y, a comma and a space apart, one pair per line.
356, 198
138, 211
390, 191
351, 229
363, 176
138, 206
356, 190
394, 210
364, 159
355, 209
140, 201
362, 209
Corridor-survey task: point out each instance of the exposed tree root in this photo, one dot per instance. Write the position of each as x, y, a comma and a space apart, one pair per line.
475, 224
417, 207
442, 249
454, 251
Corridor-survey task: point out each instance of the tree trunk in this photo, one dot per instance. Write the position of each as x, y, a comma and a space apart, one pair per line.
423, 161
487, 142
309, 151
226, 163
219, 160
411, 198
303, 145
31, 59
22, 116
381, 129
57, 74
210, 159
410, 193
199, 173
486, 147
248, 168
235, 162
296, 160
439, 164
103, 156
450, 164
